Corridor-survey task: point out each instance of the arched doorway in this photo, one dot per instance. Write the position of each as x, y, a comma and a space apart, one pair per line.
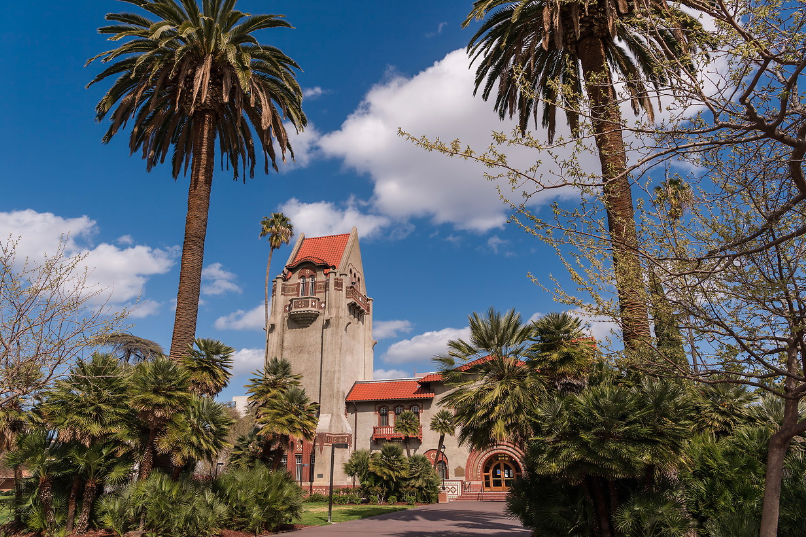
500, 472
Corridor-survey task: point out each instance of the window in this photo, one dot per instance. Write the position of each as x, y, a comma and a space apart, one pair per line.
302, 287
384, 412
299, 468
416, 410
284, 461
311, 467
312, 286
398, 410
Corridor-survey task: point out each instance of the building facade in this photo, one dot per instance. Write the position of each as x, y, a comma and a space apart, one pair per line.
321, 322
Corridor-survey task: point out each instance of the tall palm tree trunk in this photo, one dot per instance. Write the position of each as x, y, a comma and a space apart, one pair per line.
46, 497
439, 450
86, 505
147, 462
71, 504
266, 323
201, 180
606, 121
18, 477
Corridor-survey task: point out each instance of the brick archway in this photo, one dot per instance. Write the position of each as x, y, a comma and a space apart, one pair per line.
476, 459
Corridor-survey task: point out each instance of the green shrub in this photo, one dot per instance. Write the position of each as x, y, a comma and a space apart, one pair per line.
259, 499
316, 498
167, 508
392, 500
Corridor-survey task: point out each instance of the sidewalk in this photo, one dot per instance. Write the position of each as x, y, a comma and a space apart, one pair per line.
454, 519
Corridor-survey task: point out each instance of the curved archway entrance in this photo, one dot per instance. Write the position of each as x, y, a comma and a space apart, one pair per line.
500, 472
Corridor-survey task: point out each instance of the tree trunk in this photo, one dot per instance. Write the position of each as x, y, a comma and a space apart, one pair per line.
600, 504
72, 500
148, 455
17, 495
406, 443
606, 122
776, 452
439, 450
201, 180
46, 497
266, 324
86, 505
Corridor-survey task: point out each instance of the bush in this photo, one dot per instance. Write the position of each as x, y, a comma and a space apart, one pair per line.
392, 500
181, 508
259, 499
316, 498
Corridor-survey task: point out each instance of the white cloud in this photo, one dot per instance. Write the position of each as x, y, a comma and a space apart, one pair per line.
387, 329
125, 240
411, 182
495, 242
121, 272
314, 92
242, 320
326, 218
245, 361
535, 316
304, 145
440, 27
144, 308
381, 374
423, 347
216, 280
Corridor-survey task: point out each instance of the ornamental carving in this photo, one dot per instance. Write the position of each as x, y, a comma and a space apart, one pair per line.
339, 284
304, 273
290, 289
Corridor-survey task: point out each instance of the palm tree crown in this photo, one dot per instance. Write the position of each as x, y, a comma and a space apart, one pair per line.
209, 365
185, 78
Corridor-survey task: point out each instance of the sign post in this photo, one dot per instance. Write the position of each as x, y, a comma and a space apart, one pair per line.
332, 462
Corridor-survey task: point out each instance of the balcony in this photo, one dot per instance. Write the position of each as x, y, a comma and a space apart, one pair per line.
354, 296
388, 433
304, 310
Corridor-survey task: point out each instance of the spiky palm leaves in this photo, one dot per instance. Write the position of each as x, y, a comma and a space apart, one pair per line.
96, 465
493, 392
197, 433
292, 415
266, 385
91, 403
407, 424
562, 350
184, 78
389, 464
279, 230
40, 454
157, 391
209, 365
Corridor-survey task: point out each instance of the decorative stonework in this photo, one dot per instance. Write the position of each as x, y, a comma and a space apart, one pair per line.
476, 459
339, 284
290, 289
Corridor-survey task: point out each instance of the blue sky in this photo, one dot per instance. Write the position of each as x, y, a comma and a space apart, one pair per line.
434, 238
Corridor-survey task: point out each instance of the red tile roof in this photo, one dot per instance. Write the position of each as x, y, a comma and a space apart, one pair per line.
322, 250
431, 377
389, 390
437, 377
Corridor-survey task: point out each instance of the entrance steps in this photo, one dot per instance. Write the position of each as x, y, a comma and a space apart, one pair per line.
482, 497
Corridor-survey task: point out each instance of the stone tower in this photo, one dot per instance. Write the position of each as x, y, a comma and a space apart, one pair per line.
321, 322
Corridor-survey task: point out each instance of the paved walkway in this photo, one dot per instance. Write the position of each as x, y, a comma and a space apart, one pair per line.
454, 519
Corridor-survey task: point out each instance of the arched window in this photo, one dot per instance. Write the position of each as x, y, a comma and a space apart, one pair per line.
398, 410
312, 286
302, 286
384, 412
416, 410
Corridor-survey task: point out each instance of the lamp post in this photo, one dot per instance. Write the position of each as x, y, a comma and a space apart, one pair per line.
441, 458
332, 462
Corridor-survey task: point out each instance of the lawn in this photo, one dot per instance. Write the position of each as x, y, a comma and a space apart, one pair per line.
315, 514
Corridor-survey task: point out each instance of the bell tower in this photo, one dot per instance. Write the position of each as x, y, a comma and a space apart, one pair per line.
321, 322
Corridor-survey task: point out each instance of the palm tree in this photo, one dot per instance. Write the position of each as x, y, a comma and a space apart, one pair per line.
98, 464
279, 230
407, 424
197, 433
443, 423
91, 403
267, 385
157, 391
562, 350
494, 392
576, 45
185, 78
209, 365
291, 415
40, 454
390, 465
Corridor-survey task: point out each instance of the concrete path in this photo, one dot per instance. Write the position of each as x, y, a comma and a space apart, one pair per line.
454, 519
